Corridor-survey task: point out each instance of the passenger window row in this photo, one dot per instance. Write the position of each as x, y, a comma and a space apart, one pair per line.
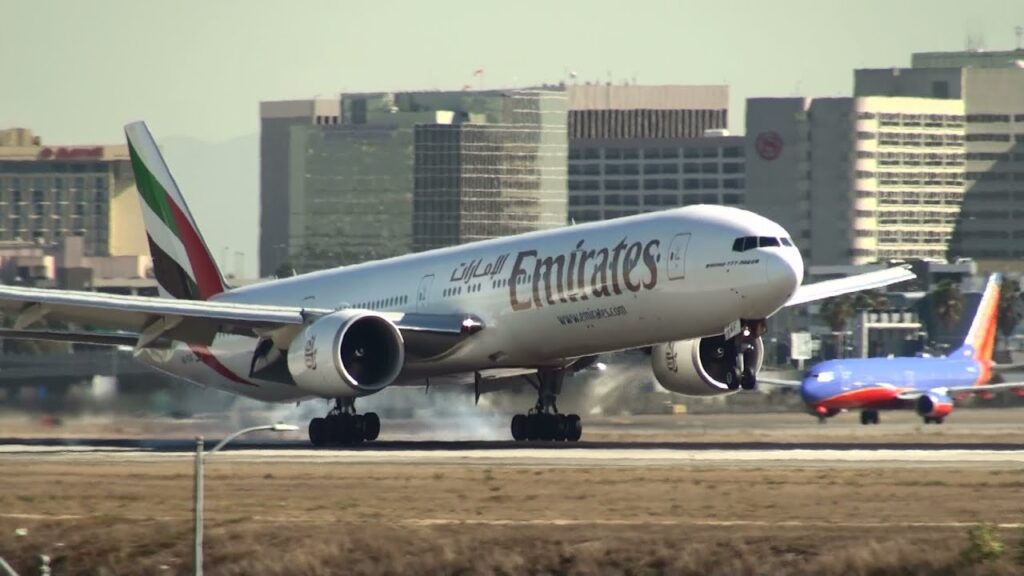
745, 243
383, 303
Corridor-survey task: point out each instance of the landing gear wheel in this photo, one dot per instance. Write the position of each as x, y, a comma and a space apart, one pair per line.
519, 427
559, 425
371, 426
543, 422
318, 432
748, 381
573, 428
869, 417
732, 378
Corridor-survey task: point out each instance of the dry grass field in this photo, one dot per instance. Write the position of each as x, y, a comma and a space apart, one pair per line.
127, 516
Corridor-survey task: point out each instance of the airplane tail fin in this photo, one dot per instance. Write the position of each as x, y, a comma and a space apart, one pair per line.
182, 262
981, 337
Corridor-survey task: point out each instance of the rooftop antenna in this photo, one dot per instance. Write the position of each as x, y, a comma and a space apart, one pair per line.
1019, 33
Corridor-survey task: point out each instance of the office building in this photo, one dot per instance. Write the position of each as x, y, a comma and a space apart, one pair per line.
858, 180
377, 175
48, 193
635, 149
990, 87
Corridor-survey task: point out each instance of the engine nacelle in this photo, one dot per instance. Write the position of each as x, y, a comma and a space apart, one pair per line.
348, 353
697, 367
934, 405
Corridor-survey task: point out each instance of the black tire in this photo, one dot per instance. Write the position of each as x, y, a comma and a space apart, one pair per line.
748, 381
865, 418
371, 426
519, 427
533, 427
560, 427
939, 420
318, 432
573, 428
732, 378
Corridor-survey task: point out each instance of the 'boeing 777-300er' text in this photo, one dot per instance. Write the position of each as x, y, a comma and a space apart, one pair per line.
695, 284
924, 384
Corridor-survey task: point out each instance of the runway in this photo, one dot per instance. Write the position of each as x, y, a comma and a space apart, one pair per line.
603, 454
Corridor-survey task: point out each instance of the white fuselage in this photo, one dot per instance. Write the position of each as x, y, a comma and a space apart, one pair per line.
543, 297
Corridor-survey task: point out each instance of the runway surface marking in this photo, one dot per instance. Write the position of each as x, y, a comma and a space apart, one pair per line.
554, 522
603, 456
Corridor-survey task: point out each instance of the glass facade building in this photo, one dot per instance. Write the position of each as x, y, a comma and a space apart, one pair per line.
384, 174
476, 180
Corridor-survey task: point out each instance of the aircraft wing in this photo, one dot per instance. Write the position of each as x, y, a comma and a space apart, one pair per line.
1007, 367
143, 321
777, 382
915, 394
867, 281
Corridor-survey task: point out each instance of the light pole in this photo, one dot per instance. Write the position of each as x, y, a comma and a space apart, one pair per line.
198, 503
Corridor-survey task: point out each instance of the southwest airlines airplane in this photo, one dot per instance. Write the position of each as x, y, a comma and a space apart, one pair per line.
924, 384
695, 284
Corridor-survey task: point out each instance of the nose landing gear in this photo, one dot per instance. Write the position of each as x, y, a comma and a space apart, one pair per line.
742, 349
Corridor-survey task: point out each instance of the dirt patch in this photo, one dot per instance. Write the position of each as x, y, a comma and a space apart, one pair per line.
332, 518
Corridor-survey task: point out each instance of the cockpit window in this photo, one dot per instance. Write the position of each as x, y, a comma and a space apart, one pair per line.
745, 243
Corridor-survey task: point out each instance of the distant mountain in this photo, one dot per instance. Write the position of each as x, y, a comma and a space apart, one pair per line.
220, 182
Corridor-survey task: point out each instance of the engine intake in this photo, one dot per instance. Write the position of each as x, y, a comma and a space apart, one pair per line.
347, 353
934, 405
698, 367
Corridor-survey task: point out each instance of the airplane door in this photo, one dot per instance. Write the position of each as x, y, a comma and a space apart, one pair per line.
423, 292
677, 256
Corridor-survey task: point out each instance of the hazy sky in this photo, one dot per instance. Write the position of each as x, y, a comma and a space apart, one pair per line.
76, 71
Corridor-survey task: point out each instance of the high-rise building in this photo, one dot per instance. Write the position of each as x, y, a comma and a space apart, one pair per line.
382, 174
990, 88
636, 149
48, 193
478, 178
276, 122
858, 180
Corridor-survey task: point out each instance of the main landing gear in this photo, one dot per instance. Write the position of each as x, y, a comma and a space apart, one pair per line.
934, 419
544, 422
868, 417
743, 350
343, 426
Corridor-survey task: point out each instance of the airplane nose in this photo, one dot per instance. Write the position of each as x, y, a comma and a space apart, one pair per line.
783, 272
808, 392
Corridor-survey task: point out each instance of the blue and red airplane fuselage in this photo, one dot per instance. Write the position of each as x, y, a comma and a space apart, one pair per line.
878, 383
924, 384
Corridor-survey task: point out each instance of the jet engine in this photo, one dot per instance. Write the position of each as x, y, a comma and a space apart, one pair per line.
934, 405
346, 354
699, 367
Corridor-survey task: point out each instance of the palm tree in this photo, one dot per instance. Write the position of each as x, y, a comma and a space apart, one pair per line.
1009, 314
836, 312
870, 300
947, 303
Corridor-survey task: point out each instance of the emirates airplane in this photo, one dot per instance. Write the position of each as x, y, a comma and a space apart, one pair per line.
693, 284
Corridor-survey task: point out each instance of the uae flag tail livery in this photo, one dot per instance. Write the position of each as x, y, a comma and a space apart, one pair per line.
182, 263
